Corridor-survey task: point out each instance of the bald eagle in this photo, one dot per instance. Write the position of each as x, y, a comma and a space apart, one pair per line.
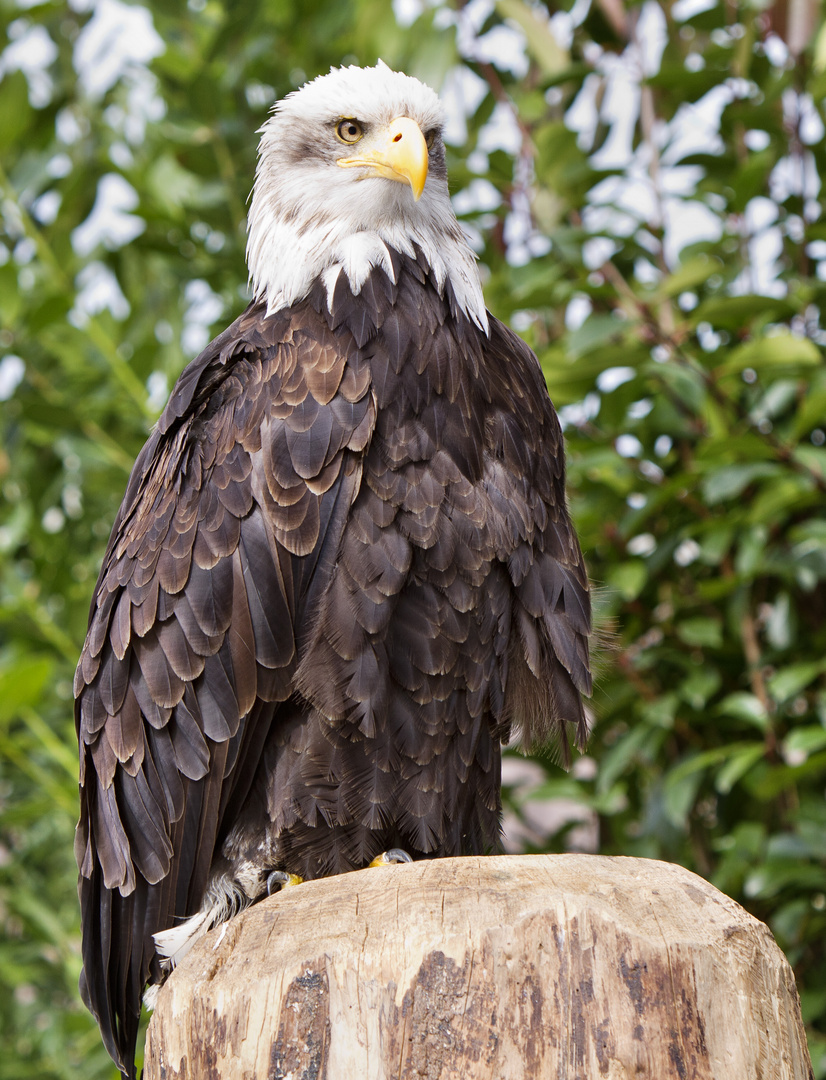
343, 573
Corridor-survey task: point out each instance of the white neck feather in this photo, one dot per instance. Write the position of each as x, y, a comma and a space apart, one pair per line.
287, 255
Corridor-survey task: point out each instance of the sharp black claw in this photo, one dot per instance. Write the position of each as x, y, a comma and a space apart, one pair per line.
280, 879
394, 855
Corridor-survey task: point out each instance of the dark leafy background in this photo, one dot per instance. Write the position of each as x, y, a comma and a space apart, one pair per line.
697, 470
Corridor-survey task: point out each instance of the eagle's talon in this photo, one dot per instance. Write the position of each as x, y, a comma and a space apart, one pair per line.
388, 858
280, 879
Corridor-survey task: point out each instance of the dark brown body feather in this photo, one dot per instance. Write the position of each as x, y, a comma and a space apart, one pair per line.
342, 573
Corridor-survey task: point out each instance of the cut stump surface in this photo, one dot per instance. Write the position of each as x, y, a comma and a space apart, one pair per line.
575, 967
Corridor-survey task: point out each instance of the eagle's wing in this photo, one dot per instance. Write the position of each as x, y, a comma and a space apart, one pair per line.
229, 527
548, 652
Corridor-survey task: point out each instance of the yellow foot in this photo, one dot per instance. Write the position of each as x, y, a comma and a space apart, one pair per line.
394, 855
280, 879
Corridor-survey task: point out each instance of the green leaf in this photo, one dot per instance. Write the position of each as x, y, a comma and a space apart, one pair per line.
786, 495
779, 623
812, 413
679, 795
819, 58
699, 687
737, 766
11, 302
619, 757
735, 312
701, 632
777, 874
789, 681
802, 742
813, 458
175, 188
715, 544
595, 331
699, 763
686, 383
765, 354
751, 550
744, 706
15, 111
751, 178
662, 710
22, 681
541, 43
629, 578
731, 480
691, 273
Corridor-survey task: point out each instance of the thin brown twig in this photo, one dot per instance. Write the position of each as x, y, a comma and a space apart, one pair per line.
491, 77
527, 148
754, 662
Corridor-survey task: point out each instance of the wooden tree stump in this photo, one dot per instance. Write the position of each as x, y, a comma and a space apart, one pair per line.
566, 966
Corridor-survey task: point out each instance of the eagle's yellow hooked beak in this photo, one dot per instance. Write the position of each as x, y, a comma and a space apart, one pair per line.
397, 152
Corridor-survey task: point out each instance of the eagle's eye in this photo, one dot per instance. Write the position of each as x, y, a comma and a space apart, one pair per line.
349, 131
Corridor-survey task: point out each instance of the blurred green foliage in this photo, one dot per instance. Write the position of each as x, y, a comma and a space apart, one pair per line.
692, 384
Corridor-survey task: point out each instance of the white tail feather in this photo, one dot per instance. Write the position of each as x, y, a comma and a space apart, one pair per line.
225, 899
173, 944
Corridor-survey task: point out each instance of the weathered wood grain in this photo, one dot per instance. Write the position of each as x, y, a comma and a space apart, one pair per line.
563, 966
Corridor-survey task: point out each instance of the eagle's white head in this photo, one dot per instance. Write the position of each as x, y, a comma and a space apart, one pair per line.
349, 166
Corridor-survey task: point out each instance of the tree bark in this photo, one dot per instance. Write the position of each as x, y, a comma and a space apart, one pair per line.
576, 967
